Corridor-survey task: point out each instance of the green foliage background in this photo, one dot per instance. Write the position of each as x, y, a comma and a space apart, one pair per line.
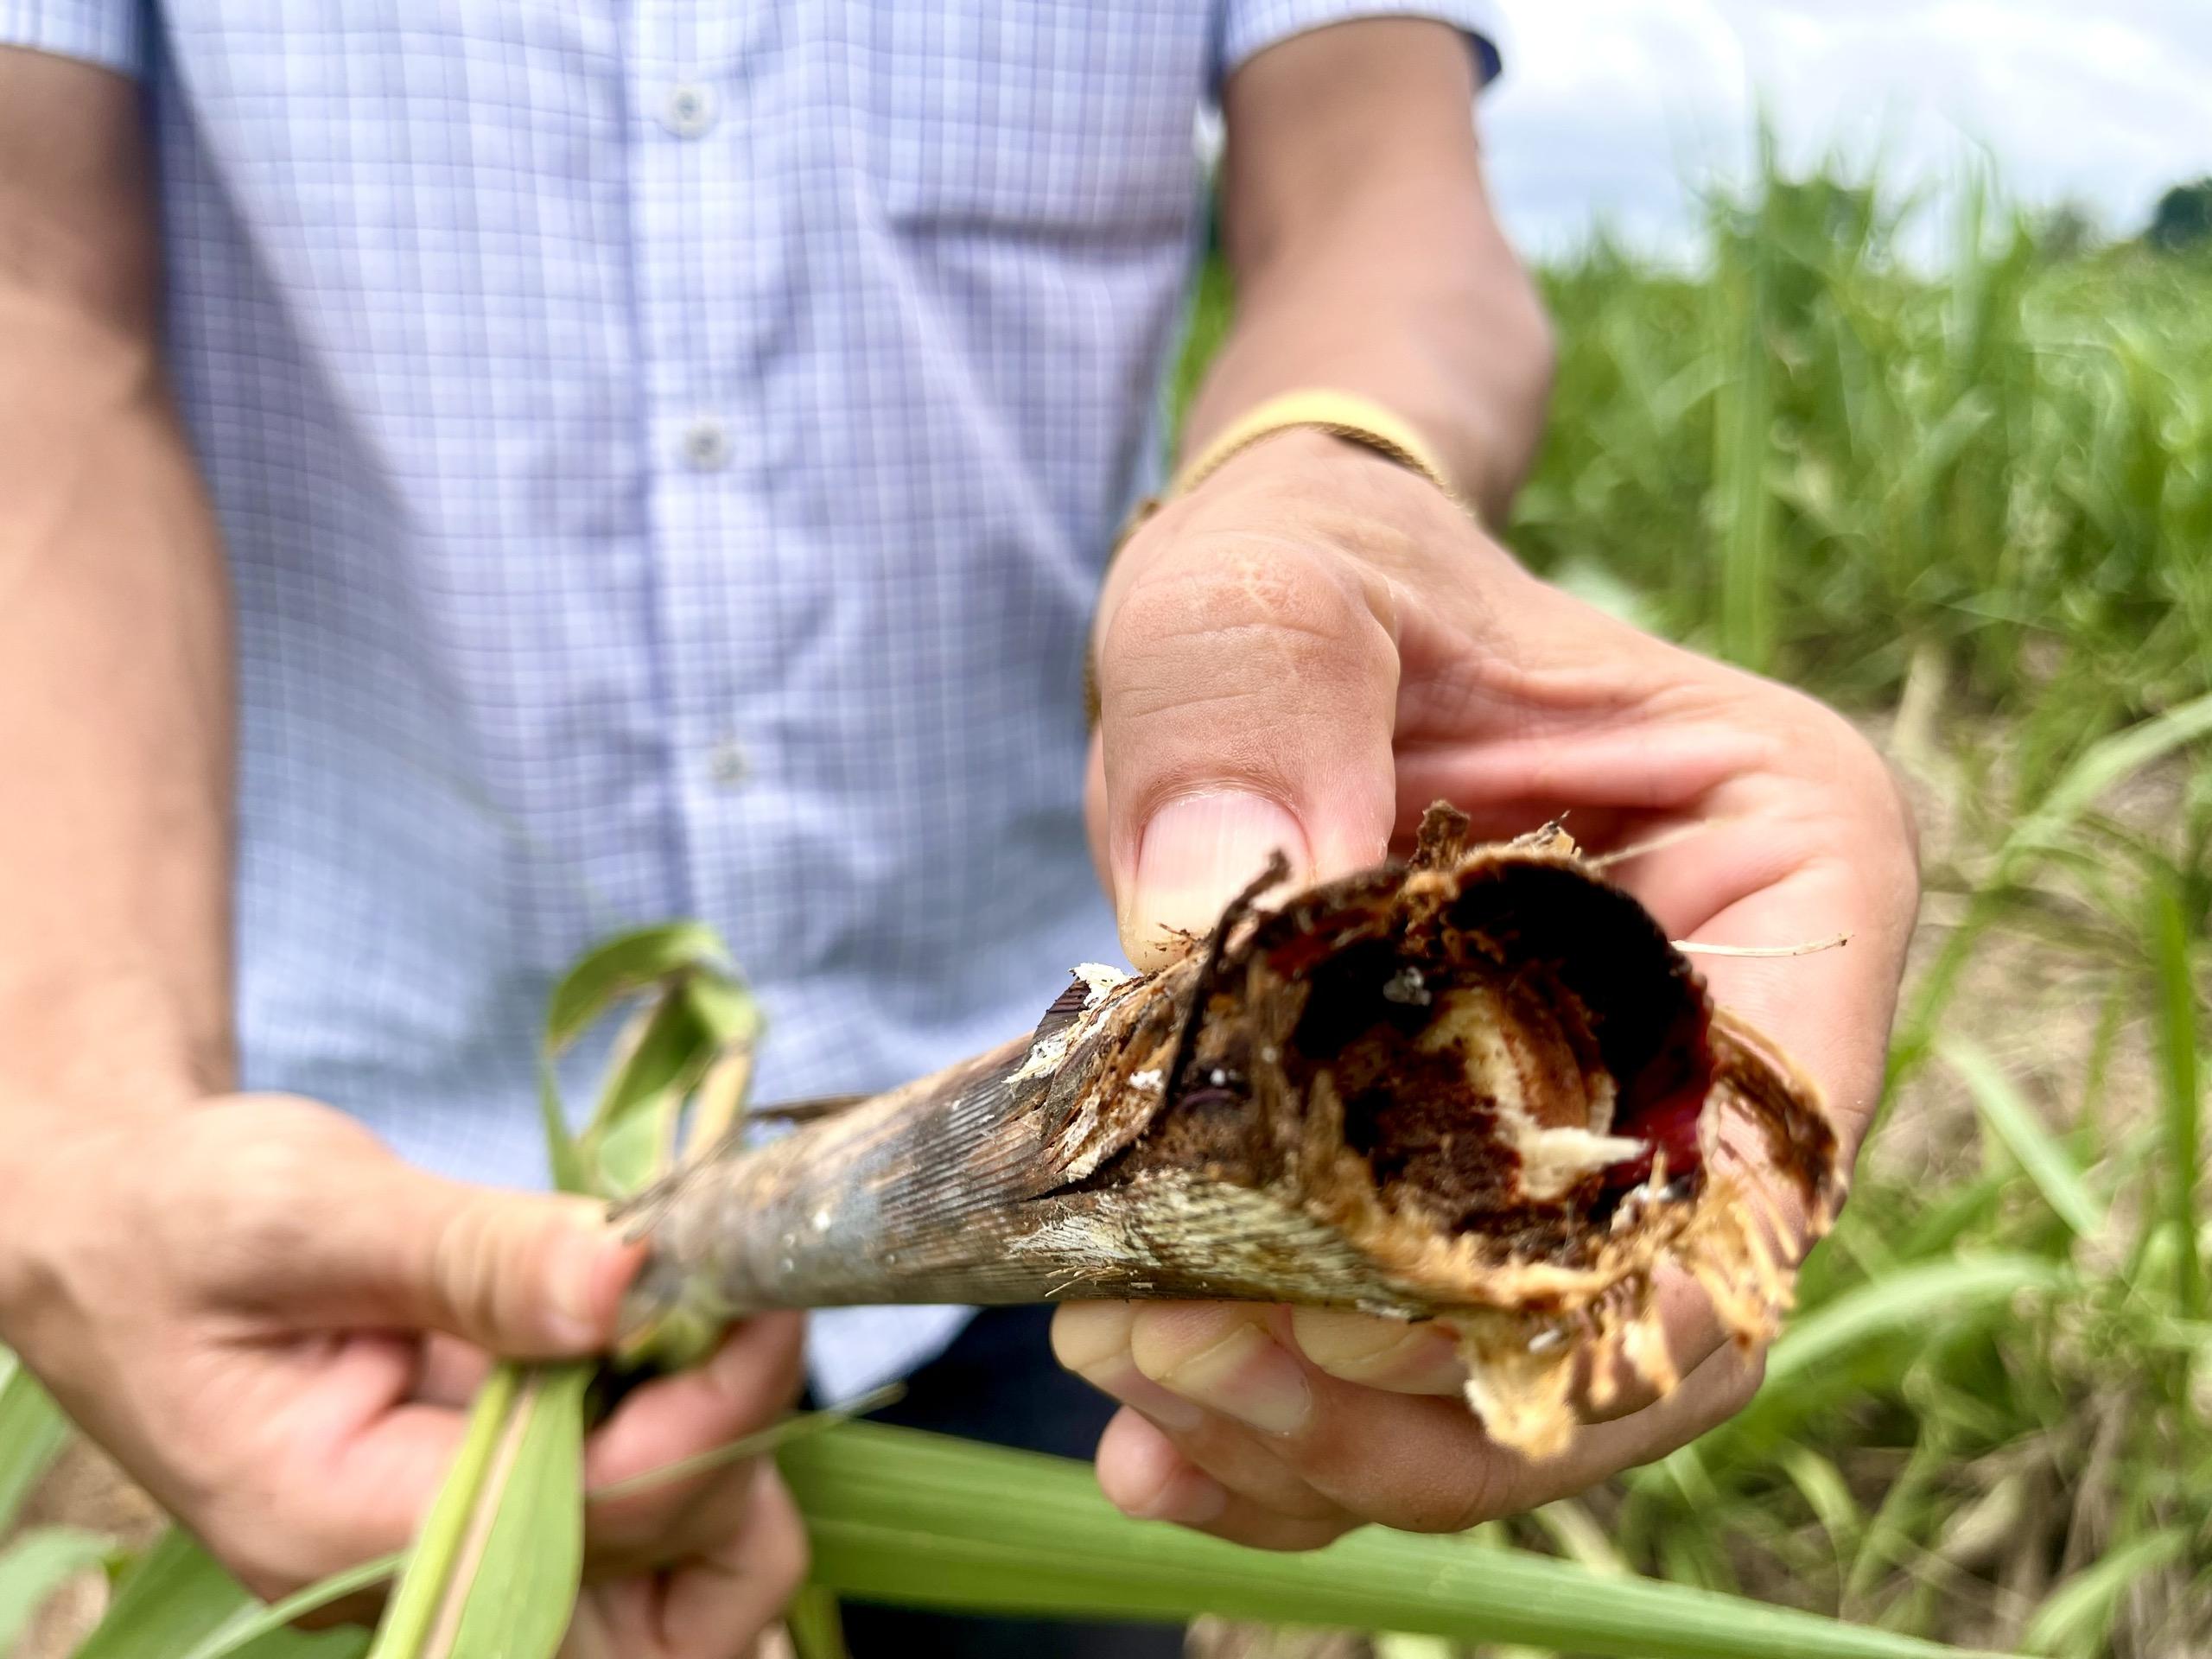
1971, 503
1974, 507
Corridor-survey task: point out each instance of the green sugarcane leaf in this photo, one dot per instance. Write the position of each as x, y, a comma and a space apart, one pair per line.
703, 1023
2100, 767
758, 1443
250, 1630
812, 1621
564, 1158
2007, 1116
622, 967
667, 1049
2076, 1616
523, 1589
1899, 1302
623, 1161
33, 1432
1398, 1645
631, 1137
2096, 771
902, 1516
724, 1006
1826, 1492
434, 1560
2177, 1069
38, 1564
1577, 1536
261, 1631
496, 1567
718, 1102
727, 1010
176, 1596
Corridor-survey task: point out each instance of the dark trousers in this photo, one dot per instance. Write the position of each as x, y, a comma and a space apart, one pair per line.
998, 1382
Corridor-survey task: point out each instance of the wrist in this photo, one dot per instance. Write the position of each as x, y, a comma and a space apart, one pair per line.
1360, 420
72, 1138
1330, 488
1300, 457
94, 1045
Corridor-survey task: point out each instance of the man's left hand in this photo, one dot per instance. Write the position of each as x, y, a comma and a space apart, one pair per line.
1302, 653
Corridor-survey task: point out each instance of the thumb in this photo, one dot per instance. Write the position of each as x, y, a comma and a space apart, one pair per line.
1247, 697
523, 1274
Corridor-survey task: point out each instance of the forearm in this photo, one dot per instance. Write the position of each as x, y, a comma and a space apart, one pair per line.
1366, 255
115, 697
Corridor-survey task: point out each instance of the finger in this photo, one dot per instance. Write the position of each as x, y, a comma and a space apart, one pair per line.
752, 1377
1231, 1358
1693, 1329
1247, 687
1401, 1356
1092, 1340
1513, 784
1211, 1445
1145, 1474
716, 1509
1829, 1010
1532, 701
1239, 1462
528, 1276
339, 1469
1811, 841
1397, 1355
716, 1605
1486, 1482
451, 1372
712, 1605
1414, 1462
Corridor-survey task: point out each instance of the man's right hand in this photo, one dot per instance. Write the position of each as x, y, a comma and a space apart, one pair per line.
271, 1322
275, 1325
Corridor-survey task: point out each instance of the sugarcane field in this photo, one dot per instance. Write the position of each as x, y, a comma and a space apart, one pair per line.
849, 830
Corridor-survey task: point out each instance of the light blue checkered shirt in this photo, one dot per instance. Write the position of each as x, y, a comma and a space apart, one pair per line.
666, 452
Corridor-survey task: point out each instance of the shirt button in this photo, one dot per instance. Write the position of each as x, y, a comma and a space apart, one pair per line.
705, 445
726, 764
688, 110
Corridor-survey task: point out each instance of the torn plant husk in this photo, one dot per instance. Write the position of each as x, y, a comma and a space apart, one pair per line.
1480, 1086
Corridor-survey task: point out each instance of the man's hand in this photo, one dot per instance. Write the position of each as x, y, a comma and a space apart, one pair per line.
273, 1324
275, 1327
1302, 654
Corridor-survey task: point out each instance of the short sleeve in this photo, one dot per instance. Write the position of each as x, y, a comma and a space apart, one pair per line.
1251, 26
110, 33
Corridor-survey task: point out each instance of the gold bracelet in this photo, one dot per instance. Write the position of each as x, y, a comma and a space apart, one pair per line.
1340, 414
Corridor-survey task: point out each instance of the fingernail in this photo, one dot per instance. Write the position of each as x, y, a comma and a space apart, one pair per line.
1195, 855
577, 1263
1247, 1376
1088, 1334
1361, 1348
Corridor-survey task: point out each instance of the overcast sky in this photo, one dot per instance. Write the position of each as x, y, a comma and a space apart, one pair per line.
1619, 108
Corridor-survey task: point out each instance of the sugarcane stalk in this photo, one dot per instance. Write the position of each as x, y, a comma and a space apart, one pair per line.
1480, 1085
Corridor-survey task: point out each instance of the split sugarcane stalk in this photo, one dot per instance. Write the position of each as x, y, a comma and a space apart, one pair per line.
1480, 1086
